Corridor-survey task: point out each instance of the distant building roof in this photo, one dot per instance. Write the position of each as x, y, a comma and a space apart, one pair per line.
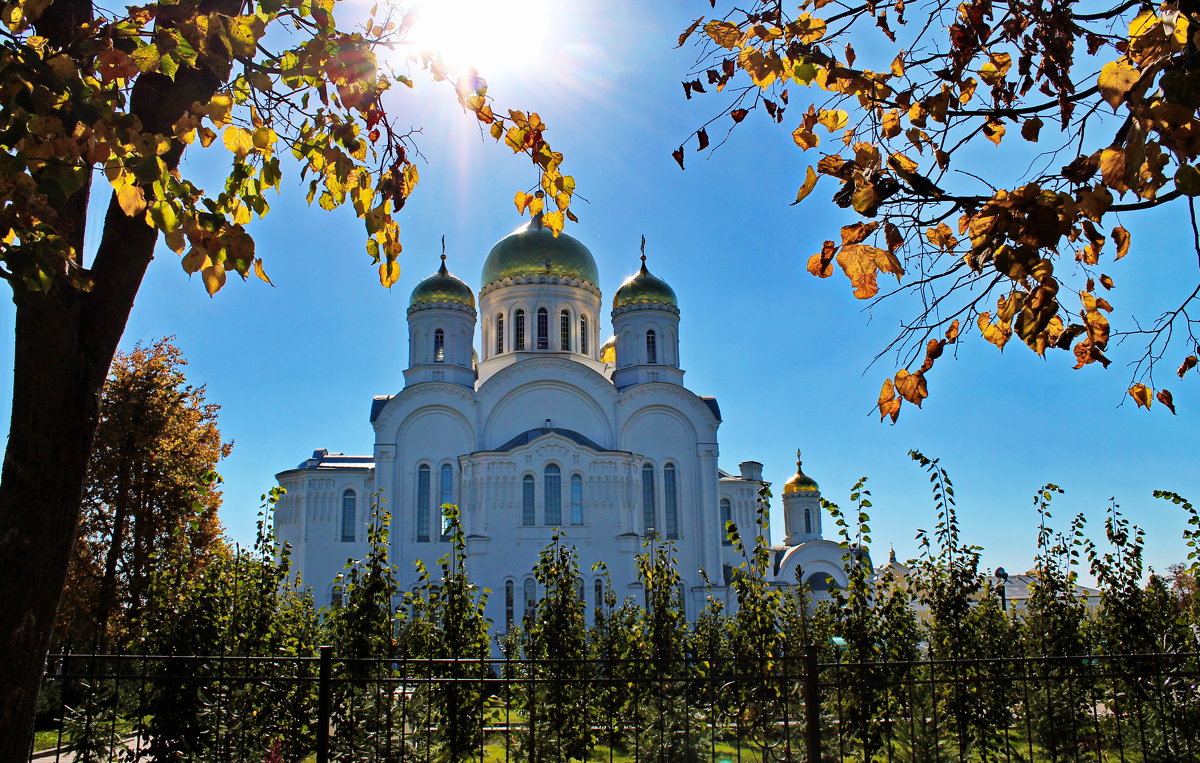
323, 459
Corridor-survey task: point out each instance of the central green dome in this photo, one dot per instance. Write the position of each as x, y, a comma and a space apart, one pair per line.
533, 250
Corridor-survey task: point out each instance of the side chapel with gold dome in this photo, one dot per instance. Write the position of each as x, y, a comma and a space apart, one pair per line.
545, 427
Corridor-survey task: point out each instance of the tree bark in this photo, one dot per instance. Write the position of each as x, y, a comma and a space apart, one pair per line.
65, 341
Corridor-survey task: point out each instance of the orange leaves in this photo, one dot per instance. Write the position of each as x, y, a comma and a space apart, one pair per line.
994, 130
1153, 37
833, 120
805, 138
1116, 79
727, 35
862, 263
997, 333
1121, 238
1188, 364
1142, 395
889, 404
913, 387
996, 67
942, 237
810, 182
821, 264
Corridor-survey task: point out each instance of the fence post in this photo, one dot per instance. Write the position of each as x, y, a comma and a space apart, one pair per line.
812, 705
324, 703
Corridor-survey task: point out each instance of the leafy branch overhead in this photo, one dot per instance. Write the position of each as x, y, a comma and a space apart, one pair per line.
1110, 97
282, 77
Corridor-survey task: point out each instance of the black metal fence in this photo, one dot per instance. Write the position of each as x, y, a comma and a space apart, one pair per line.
152, 708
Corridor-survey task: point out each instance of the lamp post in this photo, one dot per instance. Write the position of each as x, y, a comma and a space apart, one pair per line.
1002, 576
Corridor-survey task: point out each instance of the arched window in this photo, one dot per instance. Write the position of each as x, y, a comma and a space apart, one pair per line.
726, 518
682, 591
670, 502
439, 346
527, 516
552, 495
519, 330
576, 499
349, 514
583, 335
499, 334
647, 498
651, 347
335, 598
509, 596
543, 329
530, 598
423, 497
807, 522
599, 592
445, 495
564, 331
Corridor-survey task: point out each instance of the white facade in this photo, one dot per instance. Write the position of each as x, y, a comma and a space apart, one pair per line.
544, 428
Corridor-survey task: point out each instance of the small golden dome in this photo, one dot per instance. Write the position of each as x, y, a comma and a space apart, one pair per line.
608, 352
800, 482
442, 287
643, 288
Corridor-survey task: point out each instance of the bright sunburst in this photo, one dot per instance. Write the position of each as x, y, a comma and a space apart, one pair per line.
491, 36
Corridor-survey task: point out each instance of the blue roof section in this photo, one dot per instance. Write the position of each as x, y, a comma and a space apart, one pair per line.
377, 405
527, 437
711, 402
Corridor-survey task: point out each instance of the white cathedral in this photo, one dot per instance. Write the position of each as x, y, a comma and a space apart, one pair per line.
547, 429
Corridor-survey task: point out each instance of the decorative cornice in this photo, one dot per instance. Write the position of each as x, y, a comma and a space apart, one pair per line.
665, 307
458, 306
540, 278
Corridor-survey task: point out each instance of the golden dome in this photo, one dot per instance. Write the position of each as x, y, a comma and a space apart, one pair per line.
608, 353
534, 250
442, 287
800, 482
644, 288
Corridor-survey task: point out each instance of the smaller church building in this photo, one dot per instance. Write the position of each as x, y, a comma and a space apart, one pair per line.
545, 427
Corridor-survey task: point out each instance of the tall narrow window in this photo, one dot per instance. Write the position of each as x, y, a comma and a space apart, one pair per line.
576, 499
530, 598
519, 330
439, 346
564, 331
670, 502
552, 495
527, 516
726, 518
445, 495
599, 591
543, 329
651, 347
423, 504
499, 334
583, 335
647, 498
509, 596
349, 513
807, 522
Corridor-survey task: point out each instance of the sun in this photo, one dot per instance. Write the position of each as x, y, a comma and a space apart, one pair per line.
490, 36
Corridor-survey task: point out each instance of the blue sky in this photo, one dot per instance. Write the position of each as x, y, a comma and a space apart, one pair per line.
294, 367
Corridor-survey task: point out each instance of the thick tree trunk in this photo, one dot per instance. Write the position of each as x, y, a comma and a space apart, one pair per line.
63, 348
65, 342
